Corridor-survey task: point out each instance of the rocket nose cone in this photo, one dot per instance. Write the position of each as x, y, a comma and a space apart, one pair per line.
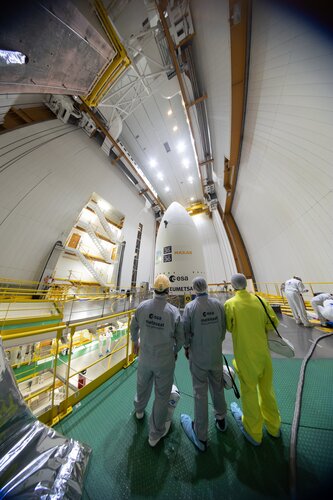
177, 213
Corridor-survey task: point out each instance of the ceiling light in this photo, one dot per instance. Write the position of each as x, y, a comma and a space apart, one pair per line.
186, 163
169, 112
192, 198
167, 189
160, 176
175, 128
12, 57
153, 163
180, 147
190, 179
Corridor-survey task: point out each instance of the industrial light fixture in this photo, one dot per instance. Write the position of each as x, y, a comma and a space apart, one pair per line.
160, 176
8, 57
180, 147
167, 189
153, 163
192, 198
190, 179
186, 163
175, 128
169, 112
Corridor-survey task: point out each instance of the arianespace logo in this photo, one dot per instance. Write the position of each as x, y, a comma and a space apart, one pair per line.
174, 278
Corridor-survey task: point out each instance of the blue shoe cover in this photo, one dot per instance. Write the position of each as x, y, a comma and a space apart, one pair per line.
237, 414
186, 422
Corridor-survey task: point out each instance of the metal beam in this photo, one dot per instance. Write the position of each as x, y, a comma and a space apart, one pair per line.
240, 29
116, 146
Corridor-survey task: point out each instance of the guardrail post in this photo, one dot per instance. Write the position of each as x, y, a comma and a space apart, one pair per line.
55, 363
129, 316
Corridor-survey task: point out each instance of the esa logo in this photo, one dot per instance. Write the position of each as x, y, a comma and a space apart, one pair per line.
208, 313
174, 278
153, 316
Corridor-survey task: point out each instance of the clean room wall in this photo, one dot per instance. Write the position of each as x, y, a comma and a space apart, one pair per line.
284, 196
212, 60
48, 172
217, 260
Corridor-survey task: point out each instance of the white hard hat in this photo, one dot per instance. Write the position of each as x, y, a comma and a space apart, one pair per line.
161, 283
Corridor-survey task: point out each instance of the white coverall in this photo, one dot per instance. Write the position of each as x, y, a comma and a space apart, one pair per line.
327, 310
293, 291
317, 301
108, 340
248, 324
100, 344
157, 324
204, 329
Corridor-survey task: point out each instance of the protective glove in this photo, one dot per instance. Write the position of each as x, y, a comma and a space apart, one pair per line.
136, 348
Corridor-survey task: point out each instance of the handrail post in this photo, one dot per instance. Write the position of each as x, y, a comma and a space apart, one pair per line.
55, 368
128, 339
69, 364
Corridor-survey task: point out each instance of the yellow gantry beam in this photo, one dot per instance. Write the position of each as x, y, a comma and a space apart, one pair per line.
116, 67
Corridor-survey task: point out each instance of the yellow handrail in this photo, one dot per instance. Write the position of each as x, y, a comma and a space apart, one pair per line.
57, 411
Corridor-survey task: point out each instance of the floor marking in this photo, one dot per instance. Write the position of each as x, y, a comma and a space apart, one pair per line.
312, 342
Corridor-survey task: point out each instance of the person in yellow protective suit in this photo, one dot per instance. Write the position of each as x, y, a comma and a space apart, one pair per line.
248, 324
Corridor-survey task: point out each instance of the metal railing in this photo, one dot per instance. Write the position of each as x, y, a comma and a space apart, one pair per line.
61, 378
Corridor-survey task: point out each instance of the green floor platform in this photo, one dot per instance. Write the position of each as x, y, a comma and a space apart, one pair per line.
124, 466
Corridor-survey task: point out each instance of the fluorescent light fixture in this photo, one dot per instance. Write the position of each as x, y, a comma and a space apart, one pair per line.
175, 128
160, 176
153, 163
12, 57
180, 147
167, 189
169, 112
186, 163
190, 179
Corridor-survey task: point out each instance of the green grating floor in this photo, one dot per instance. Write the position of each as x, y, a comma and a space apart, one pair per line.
124, 466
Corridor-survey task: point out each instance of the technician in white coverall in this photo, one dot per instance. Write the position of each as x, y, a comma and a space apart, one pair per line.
317, 303
204, 329
326, 310
157, 334
293, 290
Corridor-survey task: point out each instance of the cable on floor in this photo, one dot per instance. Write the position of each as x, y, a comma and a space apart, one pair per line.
296, 419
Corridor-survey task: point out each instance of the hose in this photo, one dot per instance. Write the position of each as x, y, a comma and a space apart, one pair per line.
297, 413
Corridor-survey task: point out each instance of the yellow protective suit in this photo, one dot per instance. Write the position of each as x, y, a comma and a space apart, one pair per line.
248, 324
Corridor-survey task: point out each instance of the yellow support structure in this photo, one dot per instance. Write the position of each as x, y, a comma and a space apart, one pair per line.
116, 67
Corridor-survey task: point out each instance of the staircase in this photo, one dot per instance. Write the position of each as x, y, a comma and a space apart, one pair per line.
87, 264
106, 226
103, 252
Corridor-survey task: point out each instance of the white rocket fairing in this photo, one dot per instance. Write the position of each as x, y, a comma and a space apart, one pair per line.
179, 250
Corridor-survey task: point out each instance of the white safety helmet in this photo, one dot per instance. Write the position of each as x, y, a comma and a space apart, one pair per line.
161, 283
227, 380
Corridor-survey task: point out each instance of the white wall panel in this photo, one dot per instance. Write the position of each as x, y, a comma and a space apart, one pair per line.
216, 249
283, 203
229, 265
47, 174
211, 48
